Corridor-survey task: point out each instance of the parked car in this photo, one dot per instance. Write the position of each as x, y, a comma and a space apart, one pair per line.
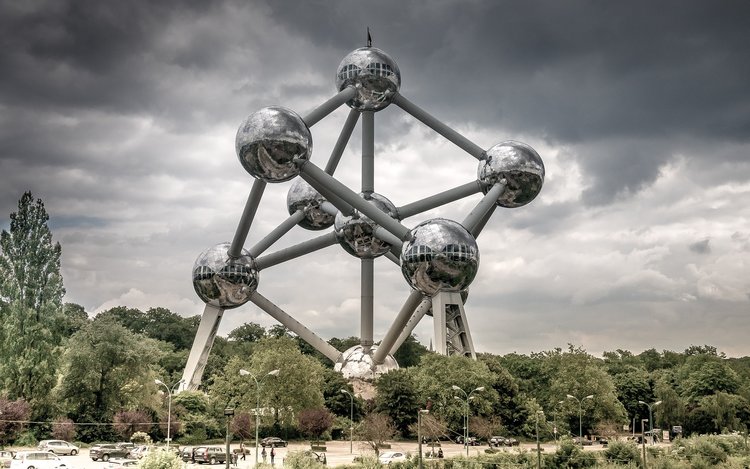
210, 455
36, 460
5, 458
497, 441
58, 447
123, 464
390, 456
187, 453
582, 441
471, 441
107, 451
273, 441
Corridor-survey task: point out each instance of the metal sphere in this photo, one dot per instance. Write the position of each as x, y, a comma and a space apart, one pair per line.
355, 363
375, 76
517, 163
222, 281
441, 256
356, 233
269, 141
302, 196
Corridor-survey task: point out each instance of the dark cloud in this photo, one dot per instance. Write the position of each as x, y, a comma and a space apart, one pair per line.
701, 247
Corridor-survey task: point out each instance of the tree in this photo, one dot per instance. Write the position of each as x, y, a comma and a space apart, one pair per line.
127, 422
14, 413
315, 422
397, 397
375, 430
336, 401
107, 368
31, 293
248, 332
63, 429
243, 425
410, 352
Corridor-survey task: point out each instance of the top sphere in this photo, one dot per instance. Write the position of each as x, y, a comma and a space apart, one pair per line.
521, 167
269, 141
375, 76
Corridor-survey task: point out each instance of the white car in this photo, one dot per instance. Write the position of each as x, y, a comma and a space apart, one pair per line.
58, 447
390, 456
37, 460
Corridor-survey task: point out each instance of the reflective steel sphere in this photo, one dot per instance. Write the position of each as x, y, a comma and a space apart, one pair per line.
355, 363
302, 196
222, 281
441, 256
517, 163
269, 141
375, 75
356, 233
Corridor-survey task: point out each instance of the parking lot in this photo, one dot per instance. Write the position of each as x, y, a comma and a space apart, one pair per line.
337, 453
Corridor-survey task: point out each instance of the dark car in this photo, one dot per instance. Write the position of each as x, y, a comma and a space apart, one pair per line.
273, 441
107, 451
187, 453
210, 455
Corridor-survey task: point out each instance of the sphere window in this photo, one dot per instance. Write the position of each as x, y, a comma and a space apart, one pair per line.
202, 272
458, 252
419, 253
348, 71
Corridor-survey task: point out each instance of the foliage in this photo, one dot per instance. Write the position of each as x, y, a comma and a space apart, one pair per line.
63, 429
243, 425
140, 437
248, 332
302, 460
622, 452
339, 402
191, 401
160, 460
315, 422
397, 397
31, 293
410, 352
571, 455
375, 430
127, 422
13, 413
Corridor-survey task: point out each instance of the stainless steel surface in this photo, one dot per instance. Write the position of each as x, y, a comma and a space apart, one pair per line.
356, 363
223, 281
517, 163
270, 140
441, 256
356, 233
373, 73
302, 196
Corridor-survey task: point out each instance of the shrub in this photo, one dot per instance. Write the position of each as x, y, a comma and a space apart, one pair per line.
622, 452
301, 460
160, 460
63, 429
571, 455
704, 450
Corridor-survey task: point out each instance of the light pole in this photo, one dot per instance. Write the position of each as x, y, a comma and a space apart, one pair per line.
466, 413
650, 416
580, 413
351, 421
170, 391
538, 449
257, 404
419, 433
643, 442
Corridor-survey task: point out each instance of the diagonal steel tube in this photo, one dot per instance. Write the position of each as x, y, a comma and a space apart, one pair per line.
251, 206
434, 201
411, 303
329, 106
295, 251
338, 149
474, 219
277, 233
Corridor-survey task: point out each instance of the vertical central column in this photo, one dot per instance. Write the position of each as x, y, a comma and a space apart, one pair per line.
367, 265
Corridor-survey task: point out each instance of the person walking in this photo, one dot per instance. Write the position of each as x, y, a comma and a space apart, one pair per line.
242, 449
264, 454
273, 454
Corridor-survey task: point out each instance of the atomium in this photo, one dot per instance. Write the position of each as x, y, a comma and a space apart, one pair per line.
438, 258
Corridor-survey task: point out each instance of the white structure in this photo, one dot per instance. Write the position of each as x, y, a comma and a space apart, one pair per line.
439, 258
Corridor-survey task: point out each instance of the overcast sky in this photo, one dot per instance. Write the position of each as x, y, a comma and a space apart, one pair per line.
121, 117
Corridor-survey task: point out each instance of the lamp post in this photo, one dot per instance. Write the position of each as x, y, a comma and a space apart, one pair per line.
257, 404
650, 416
351, 420
466, 413
228, 413
643, 442
170, 391
419, 433
580, 413
538, 449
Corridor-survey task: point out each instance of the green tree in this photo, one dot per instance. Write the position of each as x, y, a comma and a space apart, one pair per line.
248, 332
107, 368
410, 352
336, 401
397, 397
163, 324
31, 293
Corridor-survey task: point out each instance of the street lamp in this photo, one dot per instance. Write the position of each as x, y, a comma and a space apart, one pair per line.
580, 413
538, 449
257, 404
466, 413
650, 416
351, 421
170, 391
419, 433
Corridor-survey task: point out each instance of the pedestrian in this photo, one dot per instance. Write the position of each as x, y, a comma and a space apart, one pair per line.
273, 454
263, 454
234, 459
440, 452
